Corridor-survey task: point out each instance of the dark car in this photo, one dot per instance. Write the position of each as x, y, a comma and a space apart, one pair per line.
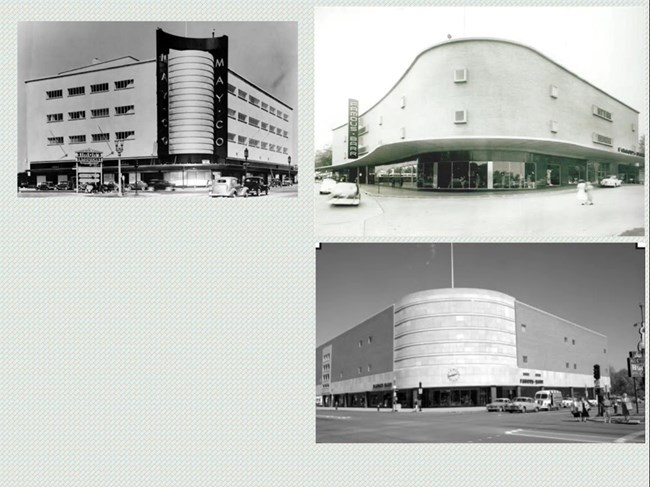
46, 186
140, 185
256, 185
65, 185
161, 185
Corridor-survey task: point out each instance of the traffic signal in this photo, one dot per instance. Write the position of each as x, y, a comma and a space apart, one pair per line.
596, 371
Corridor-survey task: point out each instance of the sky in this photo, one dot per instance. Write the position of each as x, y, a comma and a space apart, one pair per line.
598, 286
361, 52
265, 53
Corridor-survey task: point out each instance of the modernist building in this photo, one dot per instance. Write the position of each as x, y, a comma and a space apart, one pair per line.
463, 347
183, 116
489, 114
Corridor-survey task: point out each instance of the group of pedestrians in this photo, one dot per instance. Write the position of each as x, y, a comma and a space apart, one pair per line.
585, 192
607, 405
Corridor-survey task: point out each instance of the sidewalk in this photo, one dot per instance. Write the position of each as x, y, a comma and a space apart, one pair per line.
460, 410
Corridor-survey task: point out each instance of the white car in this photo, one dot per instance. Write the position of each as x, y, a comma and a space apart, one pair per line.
327, 186
610, 182
346, 194
499, 404
522, 405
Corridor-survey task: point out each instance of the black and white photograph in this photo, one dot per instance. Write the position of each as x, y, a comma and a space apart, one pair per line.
480, 121
480, 343
117, 109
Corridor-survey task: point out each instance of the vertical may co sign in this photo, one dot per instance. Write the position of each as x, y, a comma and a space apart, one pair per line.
218, 48
353, 129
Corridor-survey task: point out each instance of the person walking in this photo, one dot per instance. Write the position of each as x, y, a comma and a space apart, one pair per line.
584, 409
607, 406
625, 407
589, 189
582, 192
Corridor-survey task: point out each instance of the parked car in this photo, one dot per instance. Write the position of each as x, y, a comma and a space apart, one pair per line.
549, 399
522, 405
256, 185
499, 404
46, 186
567, 402
227, 187
160, 185
593, 402
327, 186
65, 185
346, 194
139, 184
610, 182
287, 182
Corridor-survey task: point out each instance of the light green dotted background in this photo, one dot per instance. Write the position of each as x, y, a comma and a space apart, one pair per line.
170, 342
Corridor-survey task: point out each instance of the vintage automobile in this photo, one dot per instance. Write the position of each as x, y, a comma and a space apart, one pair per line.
141, 185
160, 185
327, 186
346, 194
499, 404
227, 187
567, 402
255, 185
64, 186
46, 186
610, 182
522, 405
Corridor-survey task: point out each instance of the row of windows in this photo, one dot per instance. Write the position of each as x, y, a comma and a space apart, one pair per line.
96, 88
257, 102
369, 341
326, 357
100, 137
243, 118
94, 113
240, 139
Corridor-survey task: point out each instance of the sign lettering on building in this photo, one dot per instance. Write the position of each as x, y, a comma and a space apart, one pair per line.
218, 48
89, 157
353, 129
622, 150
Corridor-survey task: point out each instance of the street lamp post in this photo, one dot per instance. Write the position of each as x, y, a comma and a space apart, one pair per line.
136, 177
245, 162
119, 147
289, 160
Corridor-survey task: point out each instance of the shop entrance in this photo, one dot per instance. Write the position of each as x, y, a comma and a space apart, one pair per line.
553, 174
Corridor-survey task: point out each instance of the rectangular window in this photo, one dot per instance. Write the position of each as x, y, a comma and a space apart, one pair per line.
554, 126
124, 84
80, 115
604, 350
285, 134
369, 367
272, 110
285, 117
231, 137
566, 340
272, 129
231, 113
54, 94
77, 139
575, 366
265, 126
567, 365
554, 91
253, 121
55, 117
125, 110
460, 116
272, 147
253, 101
231, 89
99, 88
285, 150
126, 135
460, 75
573, 341
359, 370
241, 140
105, 137
602, 113
254, 142
369, 339
523, 328
525, 358
99, 112
55, 141
602, 139
241, 117
242, 94
79, 90
279, 114
402, 102
265, 107
264, 145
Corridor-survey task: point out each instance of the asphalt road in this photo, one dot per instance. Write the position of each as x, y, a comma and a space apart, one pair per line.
473, 427
552, 213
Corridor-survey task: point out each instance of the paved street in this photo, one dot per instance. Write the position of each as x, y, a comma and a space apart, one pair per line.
274, 193
471, 426
548, 213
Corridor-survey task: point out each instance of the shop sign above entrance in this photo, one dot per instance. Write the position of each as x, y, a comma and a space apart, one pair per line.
385, 385
630, 152
89, 157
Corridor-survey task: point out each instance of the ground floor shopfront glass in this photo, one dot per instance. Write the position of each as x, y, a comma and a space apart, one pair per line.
491, 170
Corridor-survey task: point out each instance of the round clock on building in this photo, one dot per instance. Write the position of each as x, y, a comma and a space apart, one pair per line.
453, 375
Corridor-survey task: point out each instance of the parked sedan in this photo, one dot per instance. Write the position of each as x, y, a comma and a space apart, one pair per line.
522, 405
610, 182
161, 185
567, 402
256, 185
327, 186
499, 404
346, 194
46, 186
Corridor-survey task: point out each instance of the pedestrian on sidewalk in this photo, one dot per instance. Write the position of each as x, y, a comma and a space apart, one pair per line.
607, 409
582, 192
589, 189
625, 407
584, 409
